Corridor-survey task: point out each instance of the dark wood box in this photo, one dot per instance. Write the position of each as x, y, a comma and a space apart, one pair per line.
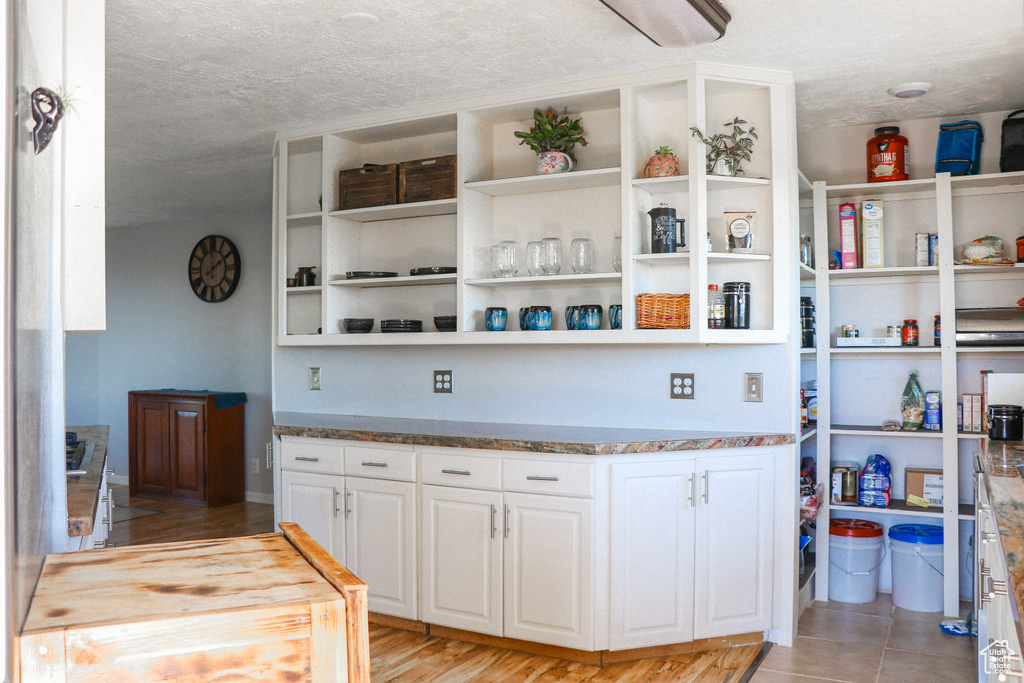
370, 185
425, 180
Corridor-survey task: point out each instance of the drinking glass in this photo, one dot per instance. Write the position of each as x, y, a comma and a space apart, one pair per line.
582, 251
617, 253
505, 258
533, 259
551, 255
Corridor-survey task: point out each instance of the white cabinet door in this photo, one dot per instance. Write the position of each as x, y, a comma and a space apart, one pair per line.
652, 525
380, 545
734, 545
549, 570
461, 557
313, 501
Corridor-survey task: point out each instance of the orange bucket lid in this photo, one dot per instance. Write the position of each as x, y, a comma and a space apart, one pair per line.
854, 528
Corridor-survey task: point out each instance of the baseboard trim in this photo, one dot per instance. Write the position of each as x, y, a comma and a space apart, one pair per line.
594, 658
256, 497
399, 622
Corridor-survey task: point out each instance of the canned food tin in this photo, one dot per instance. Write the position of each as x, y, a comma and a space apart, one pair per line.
850, 331
892, 331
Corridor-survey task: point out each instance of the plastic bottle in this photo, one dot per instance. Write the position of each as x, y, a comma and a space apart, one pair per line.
888, 156
716, 308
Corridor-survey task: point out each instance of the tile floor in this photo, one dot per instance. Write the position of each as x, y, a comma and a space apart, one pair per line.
872, 643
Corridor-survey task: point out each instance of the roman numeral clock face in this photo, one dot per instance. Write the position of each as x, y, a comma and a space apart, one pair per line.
214, 268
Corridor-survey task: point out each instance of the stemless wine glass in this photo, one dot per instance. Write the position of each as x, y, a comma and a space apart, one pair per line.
551, 255
617, 253
582, 251
533, 260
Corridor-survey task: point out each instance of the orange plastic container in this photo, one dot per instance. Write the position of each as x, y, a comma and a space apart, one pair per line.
888, 156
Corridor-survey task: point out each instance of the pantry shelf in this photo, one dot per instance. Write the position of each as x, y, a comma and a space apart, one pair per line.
577, 180
390, 212
411, 281
871, 430
900, 507
547, 280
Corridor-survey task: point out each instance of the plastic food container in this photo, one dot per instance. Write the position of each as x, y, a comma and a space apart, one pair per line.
1005, 422
916, 567
856, 551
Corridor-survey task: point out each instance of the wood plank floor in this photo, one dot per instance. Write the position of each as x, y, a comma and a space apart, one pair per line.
397, 655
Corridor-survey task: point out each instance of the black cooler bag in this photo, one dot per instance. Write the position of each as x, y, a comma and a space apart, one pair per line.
1011, 154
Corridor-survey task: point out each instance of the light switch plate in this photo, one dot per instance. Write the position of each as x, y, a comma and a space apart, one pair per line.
681, 385
442, 381
314, 379
752, 386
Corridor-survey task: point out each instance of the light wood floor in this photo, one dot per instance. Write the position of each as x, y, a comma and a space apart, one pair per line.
408, 657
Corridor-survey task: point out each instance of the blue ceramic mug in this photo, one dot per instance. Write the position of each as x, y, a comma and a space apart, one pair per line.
615, 316
495, 318
590, 317
540, 318
524, 318
572, 317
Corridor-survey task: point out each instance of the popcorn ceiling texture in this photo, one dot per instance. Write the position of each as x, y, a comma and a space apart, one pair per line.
196, 89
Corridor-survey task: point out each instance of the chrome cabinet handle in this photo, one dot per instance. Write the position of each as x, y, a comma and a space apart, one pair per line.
348, 498
108, 472
464, 473
506, 521
270, 455
537, 477
988, 537
305, 459
693, 491
336, 509
705, 487
375, 464
494, 526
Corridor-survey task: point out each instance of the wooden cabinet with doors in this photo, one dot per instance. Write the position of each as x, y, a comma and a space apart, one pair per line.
187, 446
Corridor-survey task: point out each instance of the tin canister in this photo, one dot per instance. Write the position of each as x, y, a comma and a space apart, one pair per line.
892, 331
850, 331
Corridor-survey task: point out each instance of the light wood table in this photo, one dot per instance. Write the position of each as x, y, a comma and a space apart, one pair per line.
266, 607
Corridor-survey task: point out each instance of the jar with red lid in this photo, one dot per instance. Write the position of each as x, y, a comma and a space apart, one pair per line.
910, 333
888, 156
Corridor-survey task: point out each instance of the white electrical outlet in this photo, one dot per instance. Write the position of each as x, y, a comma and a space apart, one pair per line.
314, 379
254, 465
681, 385
752, 386
442, 381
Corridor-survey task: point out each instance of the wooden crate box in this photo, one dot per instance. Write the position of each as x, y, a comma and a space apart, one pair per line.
370, 185
260, 608
425, 180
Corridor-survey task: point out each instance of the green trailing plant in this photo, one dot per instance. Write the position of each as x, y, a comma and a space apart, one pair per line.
734, 147
552, 132
664, 149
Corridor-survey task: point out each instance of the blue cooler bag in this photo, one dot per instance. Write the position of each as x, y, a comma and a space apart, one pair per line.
959, 149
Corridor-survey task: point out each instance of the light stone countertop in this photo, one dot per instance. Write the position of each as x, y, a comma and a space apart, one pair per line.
515, 437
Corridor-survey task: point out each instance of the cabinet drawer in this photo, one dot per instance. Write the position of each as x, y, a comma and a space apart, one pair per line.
380, 463
546, 476
447, 469
312, 455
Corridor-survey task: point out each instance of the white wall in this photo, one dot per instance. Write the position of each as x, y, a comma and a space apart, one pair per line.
160, 335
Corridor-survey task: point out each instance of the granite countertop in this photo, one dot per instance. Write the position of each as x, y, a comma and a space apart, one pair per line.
999, 461
84, 489
515, 437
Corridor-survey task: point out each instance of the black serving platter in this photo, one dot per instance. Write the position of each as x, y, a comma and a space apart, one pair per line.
364, 274
433, 270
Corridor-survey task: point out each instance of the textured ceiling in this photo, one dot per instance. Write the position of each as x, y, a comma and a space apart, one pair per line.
197, 88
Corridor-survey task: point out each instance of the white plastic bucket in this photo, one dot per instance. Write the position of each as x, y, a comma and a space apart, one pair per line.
916, 568
854, 563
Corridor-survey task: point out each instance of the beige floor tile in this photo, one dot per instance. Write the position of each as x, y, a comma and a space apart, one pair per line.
881, 607
827, 659
762, 676
921, 636
920, 667
930, 617
844, 626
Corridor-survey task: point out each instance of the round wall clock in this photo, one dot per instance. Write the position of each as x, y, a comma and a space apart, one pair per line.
214, 268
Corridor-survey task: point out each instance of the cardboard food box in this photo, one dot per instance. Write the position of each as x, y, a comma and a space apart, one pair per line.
872, 232
849, 240
923, 487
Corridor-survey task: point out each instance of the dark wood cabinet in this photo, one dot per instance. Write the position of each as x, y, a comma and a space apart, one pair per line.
187, 446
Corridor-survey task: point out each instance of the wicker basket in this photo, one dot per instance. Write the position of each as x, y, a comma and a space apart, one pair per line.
663, 311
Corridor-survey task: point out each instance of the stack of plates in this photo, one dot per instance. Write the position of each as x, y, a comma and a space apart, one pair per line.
401, 325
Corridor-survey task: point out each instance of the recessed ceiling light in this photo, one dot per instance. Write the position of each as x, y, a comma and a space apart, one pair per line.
905, 90
357, 21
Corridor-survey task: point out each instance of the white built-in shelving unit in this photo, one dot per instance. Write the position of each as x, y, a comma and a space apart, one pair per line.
500, 197
859, 387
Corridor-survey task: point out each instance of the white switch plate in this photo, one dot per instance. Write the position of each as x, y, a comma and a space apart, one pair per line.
254, 465
752, 387
314, 379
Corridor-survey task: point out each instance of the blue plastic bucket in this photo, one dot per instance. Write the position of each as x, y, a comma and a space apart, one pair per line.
916, 566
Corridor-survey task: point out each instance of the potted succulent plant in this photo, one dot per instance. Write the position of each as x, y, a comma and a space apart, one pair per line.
728, 151
663, 163
553, 137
